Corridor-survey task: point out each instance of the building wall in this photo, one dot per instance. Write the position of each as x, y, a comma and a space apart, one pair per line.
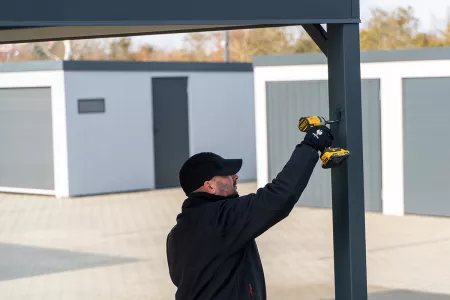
111, 151
114, 151
391, 75
54, 80
222, 117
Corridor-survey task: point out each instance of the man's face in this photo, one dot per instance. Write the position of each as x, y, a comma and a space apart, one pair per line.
225, 185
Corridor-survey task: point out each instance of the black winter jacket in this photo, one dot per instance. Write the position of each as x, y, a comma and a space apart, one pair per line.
211, 251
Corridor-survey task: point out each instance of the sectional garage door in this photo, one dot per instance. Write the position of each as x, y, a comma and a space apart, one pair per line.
26, 151
426, 123
287, 101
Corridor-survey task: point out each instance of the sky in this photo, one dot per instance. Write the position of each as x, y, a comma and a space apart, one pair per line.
431, 13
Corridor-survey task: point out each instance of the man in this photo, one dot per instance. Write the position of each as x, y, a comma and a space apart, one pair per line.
211, 251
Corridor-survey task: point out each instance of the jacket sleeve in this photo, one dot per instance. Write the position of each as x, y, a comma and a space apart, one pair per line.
244, 218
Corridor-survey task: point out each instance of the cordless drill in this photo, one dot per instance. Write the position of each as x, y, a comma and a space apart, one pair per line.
331, 157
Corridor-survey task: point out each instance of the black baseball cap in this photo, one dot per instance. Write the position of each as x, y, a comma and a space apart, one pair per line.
204, 166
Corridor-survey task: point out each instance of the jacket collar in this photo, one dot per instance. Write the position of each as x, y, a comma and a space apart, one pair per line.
200, 198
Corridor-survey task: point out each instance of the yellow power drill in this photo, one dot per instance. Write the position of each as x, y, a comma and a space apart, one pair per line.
331, 157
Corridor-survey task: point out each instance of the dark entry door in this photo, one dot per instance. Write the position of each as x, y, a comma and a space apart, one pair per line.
170, 128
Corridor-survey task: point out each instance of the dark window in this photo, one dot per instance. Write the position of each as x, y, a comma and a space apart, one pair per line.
89, 106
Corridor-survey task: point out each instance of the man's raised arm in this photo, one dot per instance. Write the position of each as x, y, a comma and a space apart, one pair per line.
246, 217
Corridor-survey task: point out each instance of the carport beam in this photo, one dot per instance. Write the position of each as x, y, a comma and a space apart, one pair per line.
344, 80
318, 35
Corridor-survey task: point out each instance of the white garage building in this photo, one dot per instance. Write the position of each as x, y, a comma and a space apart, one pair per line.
405, 109
84, 127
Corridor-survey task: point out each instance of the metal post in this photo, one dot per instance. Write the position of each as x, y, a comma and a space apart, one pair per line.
344, 79
67, 50
226, 50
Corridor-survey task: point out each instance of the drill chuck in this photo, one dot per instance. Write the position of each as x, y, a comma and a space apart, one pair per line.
306, 123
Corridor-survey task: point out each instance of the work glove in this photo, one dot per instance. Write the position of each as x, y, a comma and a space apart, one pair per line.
318, 137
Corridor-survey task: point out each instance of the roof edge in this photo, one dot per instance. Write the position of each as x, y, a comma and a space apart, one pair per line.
174, 66
35, 65
133, 66
416, 54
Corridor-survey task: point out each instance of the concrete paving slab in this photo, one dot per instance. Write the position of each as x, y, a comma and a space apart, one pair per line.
113, 247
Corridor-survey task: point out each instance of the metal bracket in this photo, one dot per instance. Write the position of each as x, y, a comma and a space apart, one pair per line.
336, 116
318, 35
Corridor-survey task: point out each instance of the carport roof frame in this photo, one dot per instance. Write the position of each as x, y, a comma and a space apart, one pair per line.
27, 20
113, 66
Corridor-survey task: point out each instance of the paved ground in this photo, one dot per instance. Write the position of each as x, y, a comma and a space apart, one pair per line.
113, 247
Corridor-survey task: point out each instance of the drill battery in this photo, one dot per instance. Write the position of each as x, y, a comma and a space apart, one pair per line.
334, 157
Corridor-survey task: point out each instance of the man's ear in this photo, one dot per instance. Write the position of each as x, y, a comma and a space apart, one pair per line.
209, 188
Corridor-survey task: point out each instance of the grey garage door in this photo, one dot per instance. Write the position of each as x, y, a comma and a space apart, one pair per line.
287, 101
426, 124
26, 152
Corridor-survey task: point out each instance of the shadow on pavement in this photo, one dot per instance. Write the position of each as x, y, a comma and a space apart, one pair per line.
407, 295
324, 291
18, 261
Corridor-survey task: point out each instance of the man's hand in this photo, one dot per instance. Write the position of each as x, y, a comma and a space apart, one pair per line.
318, 137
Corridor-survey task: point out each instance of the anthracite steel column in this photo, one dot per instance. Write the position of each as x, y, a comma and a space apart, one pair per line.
344, 79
